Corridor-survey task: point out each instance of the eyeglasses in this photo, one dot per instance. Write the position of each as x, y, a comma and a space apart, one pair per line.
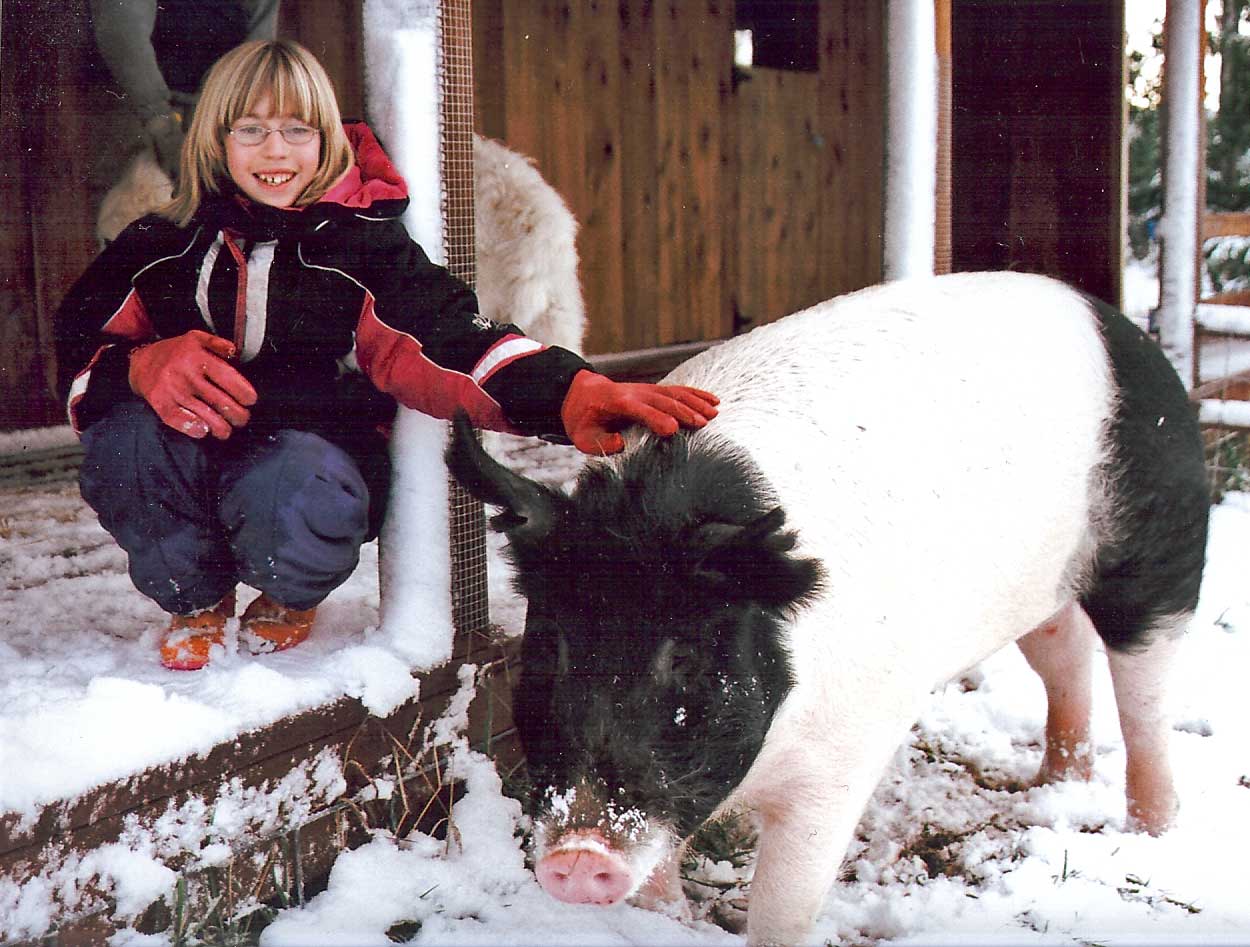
252, 135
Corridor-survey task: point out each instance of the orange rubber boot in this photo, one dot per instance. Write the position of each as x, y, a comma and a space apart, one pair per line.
189, 638
267, 626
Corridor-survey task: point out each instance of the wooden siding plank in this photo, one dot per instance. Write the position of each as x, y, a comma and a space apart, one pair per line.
639, 239
851, 194
490, 75
602, 267
565, 104
1037, 148
524, 54
711, 63
333, 31
672, 166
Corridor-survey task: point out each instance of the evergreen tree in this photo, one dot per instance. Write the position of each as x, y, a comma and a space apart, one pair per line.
1145, 148
1228, 131
1228, 147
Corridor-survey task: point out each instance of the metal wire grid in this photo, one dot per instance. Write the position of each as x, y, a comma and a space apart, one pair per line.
470, 601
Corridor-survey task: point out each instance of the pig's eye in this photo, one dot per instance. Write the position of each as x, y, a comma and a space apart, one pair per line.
662, 663
562, 655
545, 650
675, 664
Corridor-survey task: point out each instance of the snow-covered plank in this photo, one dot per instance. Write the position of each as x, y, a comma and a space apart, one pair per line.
77, 877
1221, 356
287, 738
1227, 414
1223, 320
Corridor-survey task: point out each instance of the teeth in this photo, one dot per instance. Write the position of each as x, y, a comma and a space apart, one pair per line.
275, 179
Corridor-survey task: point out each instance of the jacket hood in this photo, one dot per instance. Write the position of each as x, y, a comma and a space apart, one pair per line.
372, 183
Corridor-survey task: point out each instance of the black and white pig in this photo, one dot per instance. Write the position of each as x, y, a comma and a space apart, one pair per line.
750, 616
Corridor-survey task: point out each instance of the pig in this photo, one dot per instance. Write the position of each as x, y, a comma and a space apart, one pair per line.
749, 617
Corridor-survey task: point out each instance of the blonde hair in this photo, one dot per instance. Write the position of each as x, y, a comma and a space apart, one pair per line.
296, 84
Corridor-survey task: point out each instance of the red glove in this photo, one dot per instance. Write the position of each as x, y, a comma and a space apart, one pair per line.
191, 386
596, 409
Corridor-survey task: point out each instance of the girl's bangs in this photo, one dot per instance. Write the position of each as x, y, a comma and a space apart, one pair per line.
291, 92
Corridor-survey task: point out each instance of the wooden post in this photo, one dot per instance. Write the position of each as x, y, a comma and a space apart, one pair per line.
943, 253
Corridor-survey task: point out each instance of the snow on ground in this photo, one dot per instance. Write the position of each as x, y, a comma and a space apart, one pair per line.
954, 848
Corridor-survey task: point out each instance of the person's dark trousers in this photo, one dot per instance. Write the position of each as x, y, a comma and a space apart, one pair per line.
285, 513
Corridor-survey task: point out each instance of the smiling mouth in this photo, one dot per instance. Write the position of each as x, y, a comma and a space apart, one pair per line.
275, 180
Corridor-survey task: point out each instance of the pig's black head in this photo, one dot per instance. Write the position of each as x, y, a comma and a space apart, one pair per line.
654, 653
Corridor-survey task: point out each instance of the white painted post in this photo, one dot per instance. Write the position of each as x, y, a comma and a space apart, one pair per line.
402, 88
1178, 228
911, 139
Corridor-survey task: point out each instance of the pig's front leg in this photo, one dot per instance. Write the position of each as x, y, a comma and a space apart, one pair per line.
807, 818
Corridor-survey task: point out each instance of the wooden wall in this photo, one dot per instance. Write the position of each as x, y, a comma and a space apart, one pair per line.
810, 171
51, 110
706, 205
1038, 127
624, 107
698, 198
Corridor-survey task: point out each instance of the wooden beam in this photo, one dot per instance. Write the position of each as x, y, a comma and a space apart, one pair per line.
646, 364
1227, 224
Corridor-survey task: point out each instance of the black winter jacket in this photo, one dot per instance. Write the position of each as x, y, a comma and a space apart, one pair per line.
334, 310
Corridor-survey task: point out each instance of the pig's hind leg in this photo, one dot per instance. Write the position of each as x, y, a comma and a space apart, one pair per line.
1060, 651
1140, 682
1143, 594
1147, 571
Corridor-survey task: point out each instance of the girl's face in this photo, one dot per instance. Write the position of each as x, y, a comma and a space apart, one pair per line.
273, 172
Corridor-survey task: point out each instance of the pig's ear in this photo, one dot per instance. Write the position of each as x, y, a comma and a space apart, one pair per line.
754, 563
528, 507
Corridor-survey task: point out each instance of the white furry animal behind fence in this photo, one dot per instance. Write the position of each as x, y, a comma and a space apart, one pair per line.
526, 239
526, 248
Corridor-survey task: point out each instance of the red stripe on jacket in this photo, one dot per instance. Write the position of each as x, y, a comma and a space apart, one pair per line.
130, 322
395, 362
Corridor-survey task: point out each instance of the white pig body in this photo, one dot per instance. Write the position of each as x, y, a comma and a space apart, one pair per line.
952, 491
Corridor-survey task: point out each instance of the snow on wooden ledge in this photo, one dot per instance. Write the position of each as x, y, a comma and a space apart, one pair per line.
1229, 414
1222, 319
264, 810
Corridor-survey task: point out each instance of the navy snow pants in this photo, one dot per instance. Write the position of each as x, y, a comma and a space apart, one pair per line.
285, 513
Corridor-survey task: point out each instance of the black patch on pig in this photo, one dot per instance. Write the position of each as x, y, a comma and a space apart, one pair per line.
1149, 568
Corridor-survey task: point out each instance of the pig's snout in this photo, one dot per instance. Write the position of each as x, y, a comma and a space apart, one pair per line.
584, 876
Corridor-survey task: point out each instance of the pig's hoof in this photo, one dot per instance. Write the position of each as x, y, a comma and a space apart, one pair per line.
1059, 765
1154, 819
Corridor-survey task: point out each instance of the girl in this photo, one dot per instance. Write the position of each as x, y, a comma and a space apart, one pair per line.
233, 361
